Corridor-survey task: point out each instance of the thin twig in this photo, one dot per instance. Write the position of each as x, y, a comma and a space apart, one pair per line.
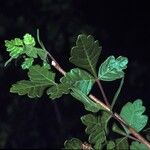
102, 91
117, 93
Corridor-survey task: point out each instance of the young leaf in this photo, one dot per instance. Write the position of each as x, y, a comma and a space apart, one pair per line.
40, 79
79, 79
138, 146
42, 53
122, 143
27, 63
86, 53
74, 143
58, 90
46, 65
94, 128
14, 47
28, 39
132, 113
112, 69
110, 145
88, 103
30, 51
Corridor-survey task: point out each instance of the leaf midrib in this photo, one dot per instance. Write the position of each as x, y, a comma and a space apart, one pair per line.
93, 69
35, 86
44, 76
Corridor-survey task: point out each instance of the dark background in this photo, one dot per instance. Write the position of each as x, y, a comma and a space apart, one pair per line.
122, 28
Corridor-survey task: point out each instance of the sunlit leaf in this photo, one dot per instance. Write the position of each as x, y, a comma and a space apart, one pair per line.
27, 63
86, 53
132, 113
79, 79
138, 146
28, 39
14, 47
112, 69
72, 144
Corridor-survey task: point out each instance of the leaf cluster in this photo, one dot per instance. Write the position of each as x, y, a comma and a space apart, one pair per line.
78, 82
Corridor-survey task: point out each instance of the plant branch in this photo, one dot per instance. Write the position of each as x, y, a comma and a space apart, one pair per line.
108, 109
120, 120
102, 91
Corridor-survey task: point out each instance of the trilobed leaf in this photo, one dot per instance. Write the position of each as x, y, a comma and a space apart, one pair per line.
112, 69
79, 79
138, 146
14, 47
40, 79
28, 39
86, 53
72, 144
88, 103
95, 129
132, 113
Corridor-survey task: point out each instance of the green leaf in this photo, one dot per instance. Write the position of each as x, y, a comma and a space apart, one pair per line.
28, 39
86, 53
116, 129
74, 143
31, 51
58, 90
14, 47
40, 74
27, 63
94, 129
46, 65
121, 143
132, 113
79, 79
40, 79
105, 119
112, 69
31, 88
88, 103
110, 145
42, 53
138, 146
